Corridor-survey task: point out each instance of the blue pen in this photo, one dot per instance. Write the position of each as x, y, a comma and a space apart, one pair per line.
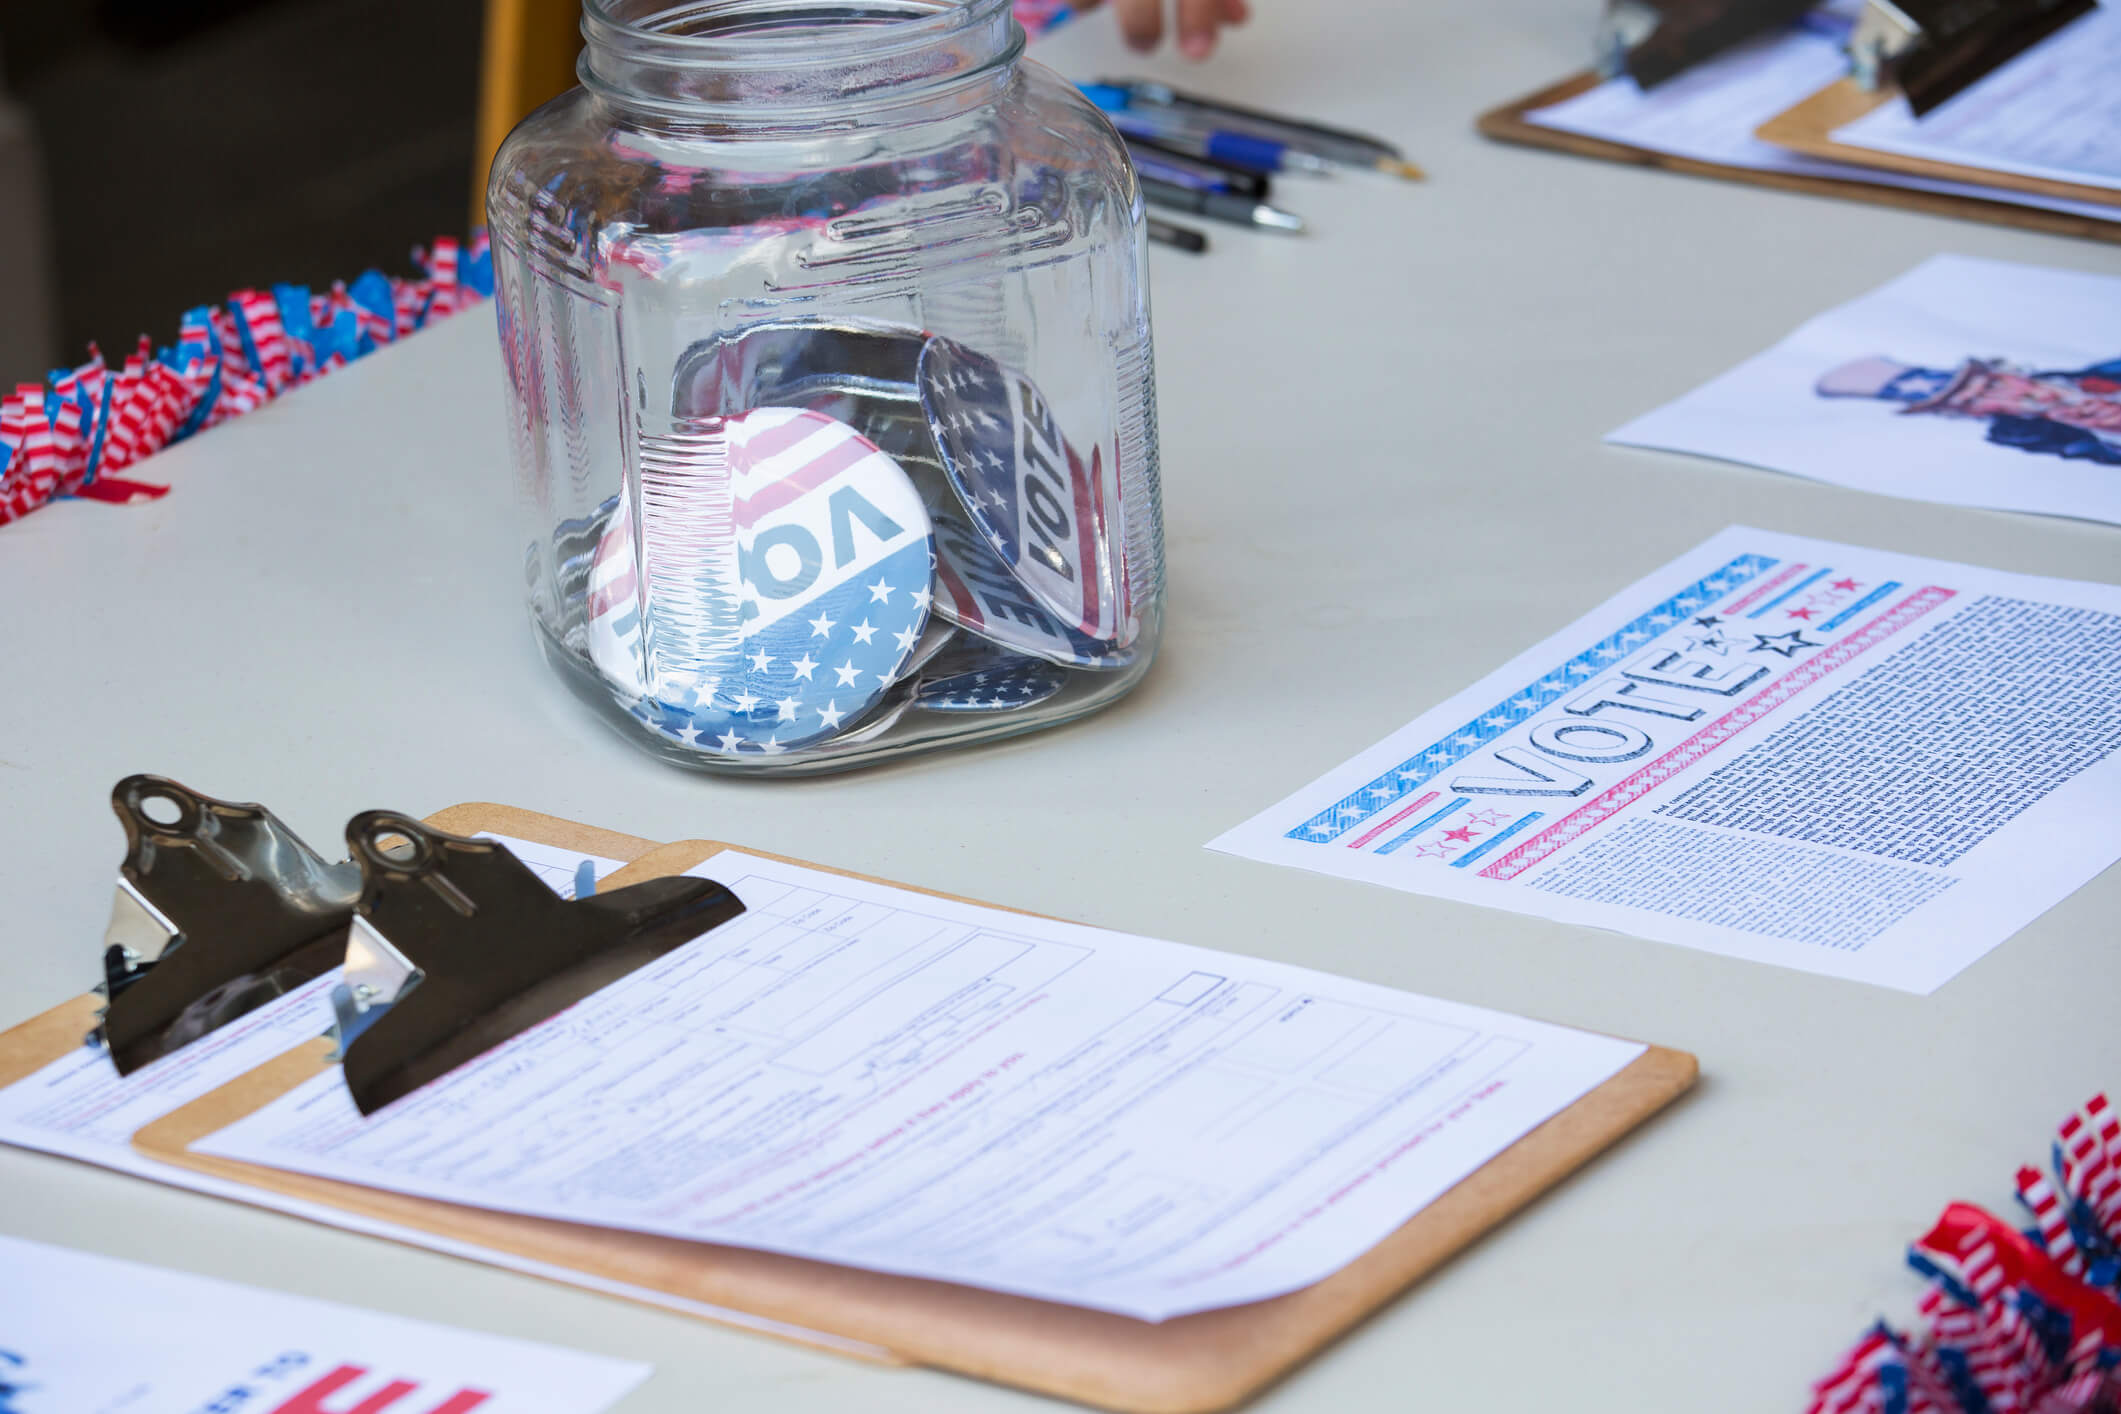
1148, 164
1256, 154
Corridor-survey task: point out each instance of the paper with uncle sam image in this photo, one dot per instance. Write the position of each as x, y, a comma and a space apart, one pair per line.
1856, 763
1970, 382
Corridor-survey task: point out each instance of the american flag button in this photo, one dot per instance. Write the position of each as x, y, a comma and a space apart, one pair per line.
612, 590
1030, 495
988, 679
832, 559
974, 590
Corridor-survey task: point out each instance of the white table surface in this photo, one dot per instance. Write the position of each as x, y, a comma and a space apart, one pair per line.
323, 616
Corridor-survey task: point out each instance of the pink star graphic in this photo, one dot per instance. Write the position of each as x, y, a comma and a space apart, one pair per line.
1805, 614
1462, 835
1430, 851
1490, 818
1845, 585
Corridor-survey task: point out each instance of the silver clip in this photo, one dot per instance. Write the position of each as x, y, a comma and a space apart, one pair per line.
219, 909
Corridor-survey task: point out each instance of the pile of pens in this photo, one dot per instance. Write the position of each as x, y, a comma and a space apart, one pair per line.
1204, 157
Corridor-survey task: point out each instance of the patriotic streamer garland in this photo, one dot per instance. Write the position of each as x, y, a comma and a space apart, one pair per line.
2017, 1322
74, 435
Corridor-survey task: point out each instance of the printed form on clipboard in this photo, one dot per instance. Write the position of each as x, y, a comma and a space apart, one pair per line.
2053, 113
878, 1078
1710, 114
65, 1099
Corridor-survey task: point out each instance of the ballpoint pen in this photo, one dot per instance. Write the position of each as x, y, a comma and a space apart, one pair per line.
1338, 145
1198, 176
1245, 150
1221, 206
1148, 153
1148, 164
1170, 233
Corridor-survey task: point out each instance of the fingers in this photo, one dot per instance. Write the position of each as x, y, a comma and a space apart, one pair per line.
1197, 22
1141, 22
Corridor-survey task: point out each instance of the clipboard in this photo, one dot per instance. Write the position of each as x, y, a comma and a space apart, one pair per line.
55, 1034
1508, 123
58, 1032
1809, 128
1210, 1361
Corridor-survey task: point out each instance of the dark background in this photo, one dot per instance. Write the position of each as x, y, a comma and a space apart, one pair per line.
192, 147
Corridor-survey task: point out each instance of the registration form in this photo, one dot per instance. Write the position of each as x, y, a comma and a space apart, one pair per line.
80, 1108
79, 1105
2052, 112
869, 1076
1832, 758
1709, 114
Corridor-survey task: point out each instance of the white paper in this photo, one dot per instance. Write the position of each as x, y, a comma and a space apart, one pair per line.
1855, 763
2053, 112
867, 1076
559, 868
1709, 114
2021, 366
78, 1107
83, 1334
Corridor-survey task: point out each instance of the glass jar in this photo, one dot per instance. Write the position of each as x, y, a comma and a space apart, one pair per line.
830, 382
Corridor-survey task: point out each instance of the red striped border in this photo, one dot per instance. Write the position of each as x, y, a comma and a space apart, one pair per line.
1374, 831
1625, 792
1763, 589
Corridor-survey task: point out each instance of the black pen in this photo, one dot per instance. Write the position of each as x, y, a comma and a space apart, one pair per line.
1241, 180
1172, 234
1221, 206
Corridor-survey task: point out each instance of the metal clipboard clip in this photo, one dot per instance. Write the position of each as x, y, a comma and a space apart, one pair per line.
1655, 40
220, 908
456, 946
1934, 49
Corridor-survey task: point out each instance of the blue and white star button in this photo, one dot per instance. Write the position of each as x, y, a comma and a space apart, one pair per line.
975, 591
833, 557
1036, 502
988, 680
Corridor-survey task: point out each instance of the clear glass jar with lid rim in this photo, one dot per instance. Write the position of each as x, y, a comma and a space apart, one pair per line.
831, 398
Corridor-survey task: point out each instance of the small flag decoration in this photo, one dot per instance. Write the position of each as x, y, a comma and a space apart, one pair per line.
75, 434
2015, 1322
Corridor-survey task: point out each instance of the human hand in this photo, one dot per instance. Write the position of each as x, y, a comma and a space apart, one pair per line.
1142, 22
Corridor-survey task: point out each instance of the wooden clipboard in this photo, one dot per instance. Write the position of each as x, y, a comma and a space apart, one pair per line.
1809, 128
1509, 124
54, 1034
1214, 1360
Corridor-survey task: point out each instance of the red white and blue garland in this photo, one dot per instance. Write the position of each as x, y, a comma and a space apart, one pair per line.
75, 434
2016, 1322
